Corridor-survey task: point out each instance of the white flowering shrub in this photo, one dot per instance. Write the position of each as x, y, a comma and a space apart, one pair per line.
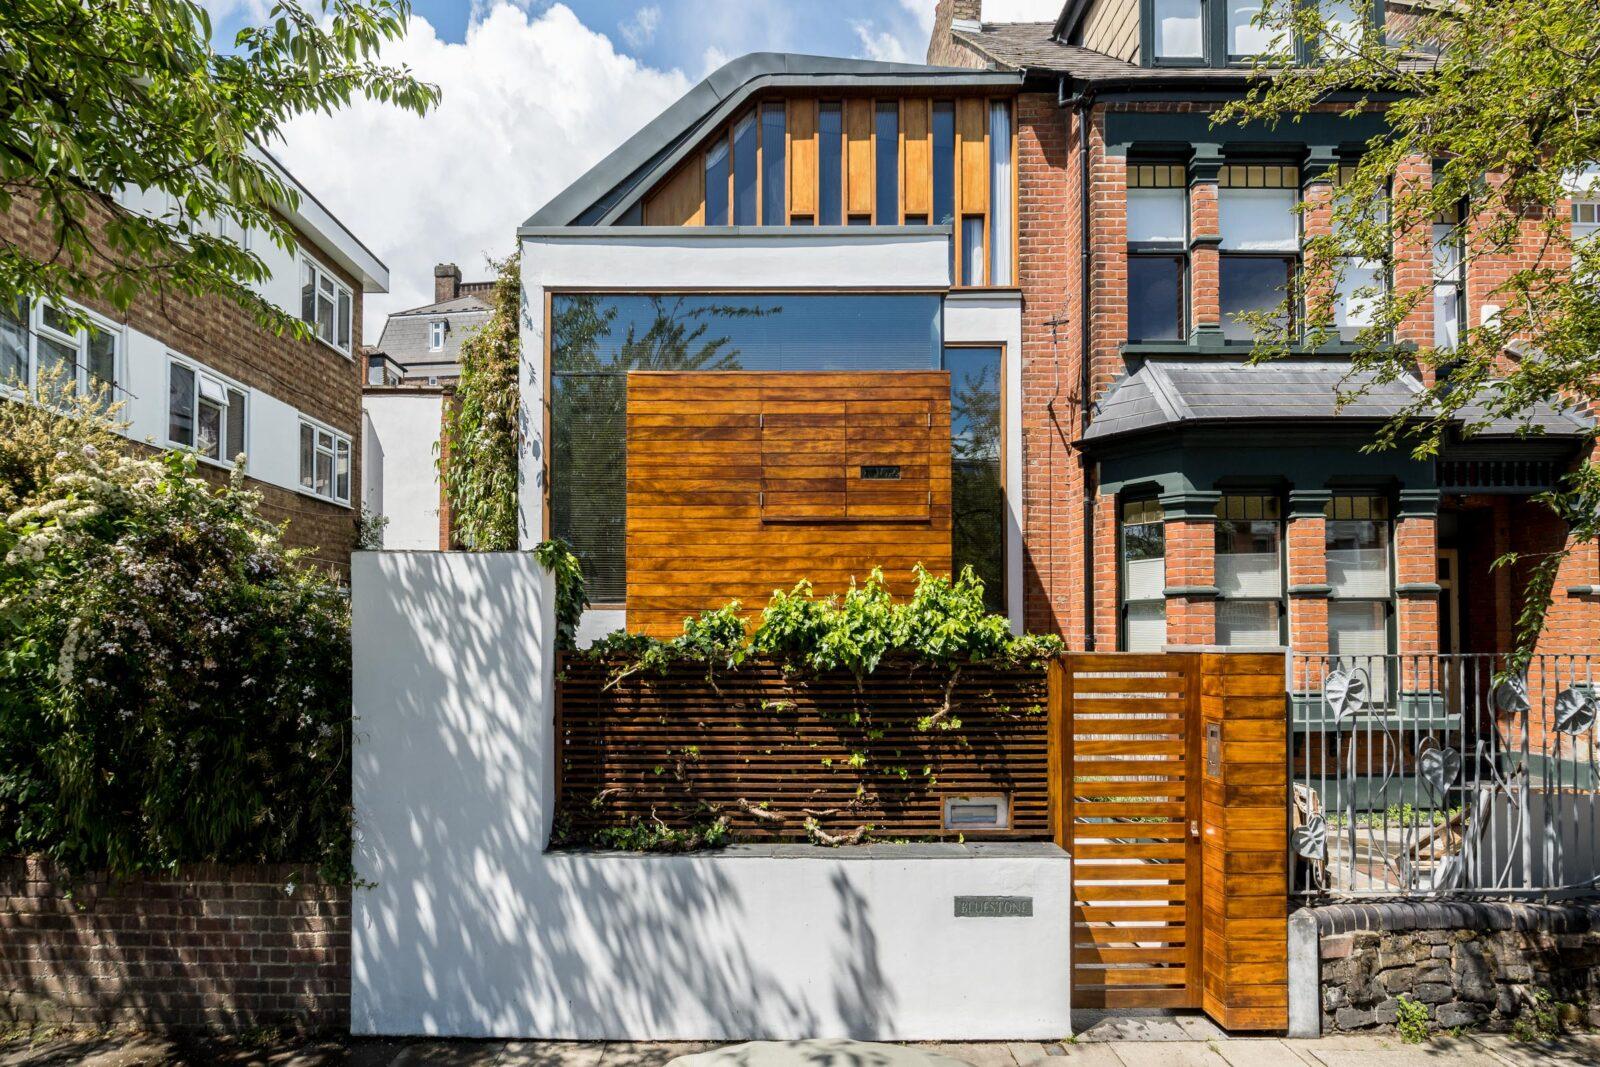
174, 682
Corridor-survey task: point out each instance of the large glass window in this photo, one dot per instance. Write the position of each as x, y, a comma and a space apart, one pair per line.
977, 521
745, 143
717, 183
82, 359
774, 201
597, 339
1000, 193
1144, 576
1158, 228
1361, 582
326, 305
887, 118
1249, 568
324, 463
1179, 29
1246, 39
1260, 252
205, 413
14, 344
944, 162
1449, 278
830, 163
1362, 281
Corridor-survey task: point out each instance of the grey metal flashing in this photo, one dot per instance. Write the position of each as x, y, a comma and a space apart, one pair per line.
610, 187
789, 233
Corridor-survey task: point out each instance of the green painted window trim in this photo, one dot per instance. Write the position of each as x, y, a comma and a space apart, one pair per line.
1214, 34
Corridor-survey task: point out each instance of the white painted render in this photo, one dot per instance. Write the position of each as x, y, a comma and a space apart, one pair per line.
473, 929
399, 479
838, 259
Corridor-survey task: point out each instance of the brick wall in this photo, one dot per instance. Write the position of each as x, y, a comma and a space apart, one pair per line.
212, 946
945, 51
307, 375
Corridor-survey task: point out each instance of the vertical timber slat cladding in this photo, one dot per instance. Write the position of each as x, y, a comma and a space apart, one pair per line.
1246, 842
916, 169
669, 745
681, 201
740, 483
802, 153
972, 131
858, 158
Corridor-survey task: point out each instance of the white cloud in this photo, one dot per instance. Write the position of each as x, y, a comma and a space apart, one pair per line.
903, 40
641, 29
1021, 10
530, 103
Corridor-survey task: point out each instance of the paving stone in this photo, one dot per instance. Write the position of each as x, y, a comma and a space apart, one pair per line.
551, 1054
655, 1053
843, 1053
1090, 1054
1135, 1026
95, 1051
1027, 1053
456, 1053
1169, 1053
1571, 1051
1458, 1052
985, 1054
1256, 1052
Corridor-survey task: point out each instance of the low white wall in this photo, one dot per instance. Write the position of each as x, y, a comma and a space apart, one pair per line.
473, 929
399, 479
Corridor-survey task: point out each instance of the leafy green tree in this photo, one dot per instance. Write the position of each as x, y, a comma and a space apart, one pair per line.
1503, 96
102, 96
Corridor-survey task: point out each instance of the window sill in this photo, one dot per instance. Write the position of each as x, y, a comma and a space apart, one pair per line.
309, 495
220, 464
331, 346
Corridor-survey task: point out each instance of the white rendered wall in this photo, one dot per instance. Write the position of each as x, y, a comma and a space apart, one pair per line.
399, 478
473, 930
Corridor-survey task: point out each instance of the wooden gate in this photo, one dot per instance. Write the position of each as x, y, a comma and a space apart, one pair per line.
1126, 759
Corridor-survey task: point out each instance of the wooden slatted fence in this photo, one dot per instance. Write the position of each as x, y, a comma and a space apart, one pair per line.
678, 746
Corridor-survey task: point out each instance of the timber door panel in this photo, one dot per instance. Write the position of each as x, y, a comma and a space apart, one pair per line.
1126, 753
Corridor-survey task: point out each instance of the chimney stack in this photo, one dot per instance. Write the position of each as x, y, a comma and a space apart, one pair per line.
943, 49
446, 282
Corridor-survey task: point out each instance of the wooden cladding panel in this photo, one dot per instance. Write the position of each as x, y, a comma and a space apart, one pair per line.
801, 130
1246, 843
972, 144
740, 483
625, 750
681, 201
916, 125
858, 165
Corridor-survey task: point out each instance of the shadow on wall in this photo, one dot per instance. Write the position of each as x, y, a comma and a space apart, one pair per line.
471, 929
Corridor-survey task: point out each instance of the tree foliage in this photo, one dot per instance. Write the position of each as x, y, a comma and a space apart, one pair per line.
100, 96
483, 425
1503, 96
174, 683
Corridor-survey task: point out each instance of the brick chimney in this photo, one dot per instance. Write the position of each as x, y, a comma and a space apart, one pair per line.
945, 51
446, 282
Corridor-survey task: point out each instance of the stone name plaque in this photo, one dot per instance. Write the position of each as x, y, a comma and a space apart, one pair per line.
994, 907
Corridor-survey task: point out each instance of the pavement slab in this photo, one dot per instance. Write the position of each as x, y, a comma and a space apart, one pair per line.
1574, 1050
552, 1054
1391, 1052
1087, 1054
456, 1053
842, 1053
1168, 1053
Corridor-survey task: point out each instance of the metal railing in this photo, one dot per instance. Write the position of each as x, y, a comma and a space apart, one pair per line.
1435, 776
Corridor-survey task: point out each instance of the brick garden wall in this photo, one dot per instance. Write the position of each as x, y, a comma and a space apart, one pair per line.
217, 947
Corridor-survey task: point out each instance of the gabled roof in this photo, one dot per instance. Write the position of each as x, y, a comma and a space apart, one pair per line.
617, 182
1169, 393
406, 337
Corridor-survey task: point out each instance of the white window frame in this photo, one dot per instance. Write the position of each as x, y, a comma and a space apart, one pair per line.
321, 433
436, 332
325, 282
37, 329
203, 374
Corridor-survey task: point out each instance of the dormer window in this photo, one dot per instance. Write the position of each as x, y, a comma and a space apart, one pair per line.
1247, 39
436, 336
1178, 30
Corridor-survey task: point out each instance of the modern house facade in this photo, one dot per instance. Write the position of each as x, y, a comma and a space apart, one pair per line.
201, 374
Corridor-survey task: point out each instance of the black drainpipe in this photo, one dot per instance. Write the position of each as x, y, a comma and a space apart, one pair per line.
1080, 102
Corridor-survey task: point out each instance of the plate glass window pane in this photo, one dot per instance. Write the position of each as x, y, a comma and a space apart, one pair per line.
55, 319
717, 183
102, 358
1001, 208
1358, 635
744, 170
308, 454
1342, 24
1258, 220
342, 472
308, 293
1358, 552
325, 317
1155, 298
180, 404
1360, 290
1146, 626
344, 320
324, 483
1248, 623
1248, 544
944, 162
58, 365
1244, 38
14, 344
1157, 215
1252, 284
1177, 29
774, 202
236, 438
830, 163
208, 429
887, 119
972, 251
977, 521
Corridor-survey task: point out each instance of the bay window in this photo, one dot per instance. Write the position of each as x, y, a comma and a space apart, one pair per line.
1178, 29
324, 462
1158, 229
1361, 583
1260, 251
204, 412
326, 305
1144, 576
1449, 278
1249, 568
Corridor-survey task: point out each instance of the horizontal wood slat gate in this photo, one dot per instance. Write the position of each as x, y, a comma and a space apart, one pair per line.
1126, 755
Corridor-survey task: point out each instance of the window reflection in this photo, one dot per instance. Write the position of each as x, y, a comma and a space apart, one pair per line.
977, 526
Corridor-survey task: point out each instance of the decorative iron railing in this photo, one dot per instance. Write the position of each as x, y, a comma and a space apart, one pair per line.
1428, 776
